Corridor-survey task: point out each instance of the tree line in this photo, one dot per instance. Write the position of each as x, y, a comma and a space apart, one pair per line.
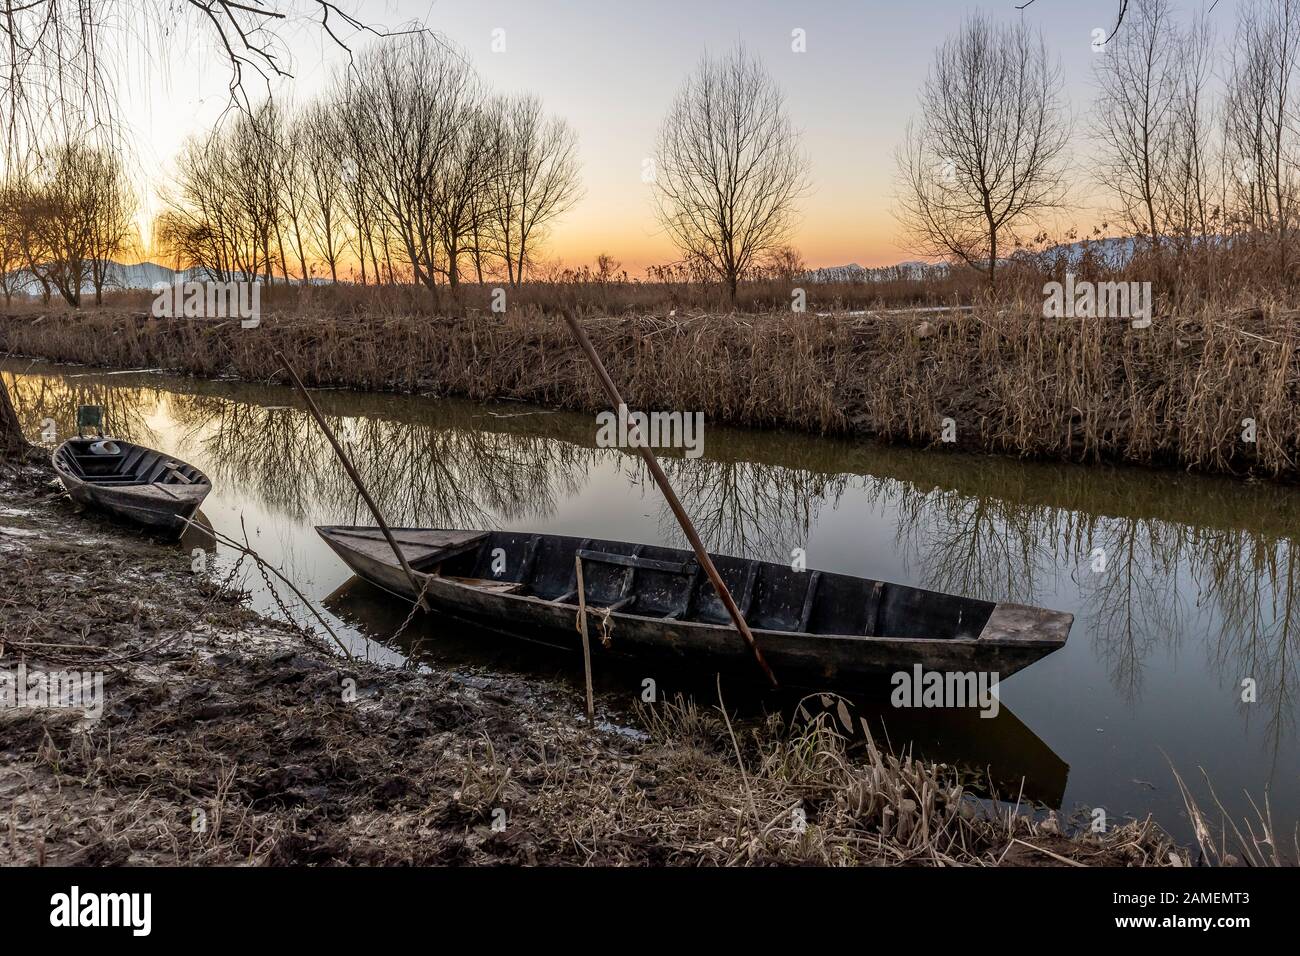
63, 219
988, 160
408, 169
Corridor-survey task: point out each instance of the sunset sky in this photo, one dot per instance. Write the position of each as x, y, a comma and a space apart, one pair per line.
612, 68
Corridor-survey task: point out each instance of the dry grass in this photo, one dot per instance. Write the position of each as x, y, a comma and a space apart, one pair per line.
1174, 394
1228, 842
610, 293
773, 794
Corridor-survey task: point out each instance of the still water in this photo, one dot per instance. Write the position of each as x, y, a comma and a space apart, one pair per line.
1183, 587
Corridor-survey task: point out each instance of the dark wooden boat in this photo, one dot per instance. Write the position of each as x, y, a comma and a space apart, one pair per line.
815, 628
137, 484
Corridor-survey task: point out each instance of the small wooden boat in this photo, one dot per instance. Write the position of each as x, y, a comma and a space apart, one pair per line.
815, 628
131, 482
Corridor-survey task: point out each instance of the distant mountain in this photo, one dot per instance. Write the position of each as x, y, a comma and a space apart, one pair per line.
856, 273
142, 276
138, 275
145, 275
1114, 251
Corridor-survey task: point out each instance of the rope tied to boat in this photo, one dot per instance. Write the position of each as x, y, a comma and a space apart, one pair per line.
604, 617
606, 625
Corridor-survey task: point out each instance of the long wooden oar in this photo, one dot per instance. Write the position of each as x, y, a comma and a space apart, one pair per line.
356, 479
661, 479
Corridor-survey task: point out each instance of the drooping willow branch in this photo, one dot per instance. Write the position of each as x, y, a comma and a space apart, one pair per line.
62, 61
1119, 17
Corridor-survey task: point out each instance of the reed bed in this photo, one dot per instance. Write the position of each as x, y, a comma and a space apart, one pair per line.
727, 794
1188, 392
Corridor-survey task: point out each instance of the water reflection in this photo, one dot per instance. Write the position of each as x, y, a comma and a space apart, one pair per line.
448, 474
996, 756
981, 546
39, 399
1167, 574
746, 508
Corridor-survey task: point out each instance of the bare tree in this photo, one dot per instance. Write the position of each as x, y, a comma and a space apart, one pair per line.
63, 217
229, 213
1123, 6
1137, 114
462, 182
537, 179
1259, 116
985, 159
204, 226
254, 164
404, 166
73, 216
322, 157
1189, 182
22, 209
729, 170
61, 60
404, 108
14, 275
112, 227
291, 176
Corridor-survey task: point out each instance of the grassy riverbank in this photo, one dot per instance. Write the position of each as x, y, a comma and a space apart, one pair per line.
1214, 391
227, 738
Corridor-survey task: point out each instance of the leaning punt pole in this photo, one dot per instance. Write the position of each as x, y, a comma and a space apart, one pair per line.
661, 479
356, 478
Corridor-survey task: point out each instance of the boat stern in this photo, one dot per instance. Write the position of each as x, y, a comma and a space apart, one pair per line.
1017, 635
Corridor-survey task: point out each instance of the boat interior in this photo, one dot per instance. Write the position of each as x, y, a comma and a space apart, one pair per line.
668, 583
134, 465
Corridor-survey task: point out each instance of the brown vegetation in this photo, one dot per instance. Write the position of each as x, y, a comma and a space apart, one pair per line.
1178, 393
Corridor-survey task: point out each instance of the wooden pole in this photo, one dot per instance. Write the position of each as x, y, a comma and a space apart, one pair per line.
683, 519
356, 478
586, 641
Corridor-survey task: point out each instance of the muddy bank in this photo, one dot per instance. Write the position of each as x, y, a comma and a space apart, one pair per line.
223, 737
1207, 391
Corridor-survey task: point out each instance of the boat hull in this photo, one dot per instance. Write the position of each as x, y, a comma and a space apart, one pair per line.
1013, 637
162, 507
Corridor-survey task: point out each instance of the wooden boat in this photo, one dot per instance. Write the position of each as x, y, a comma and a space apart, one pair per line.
135, 483
815, 628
